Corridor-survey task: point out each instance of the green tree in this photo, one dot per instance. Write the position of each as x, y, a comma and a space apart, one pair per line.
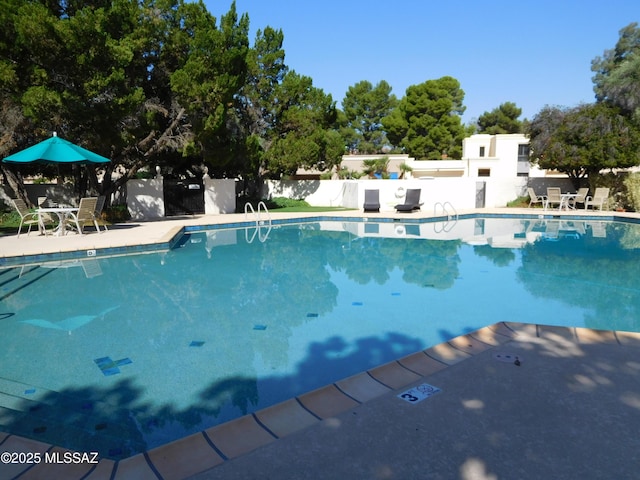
285, 122
503, 119
364, 106
73, 70
583, 140
617, 73
256, 105
143, 83
375, 166
214, 71
304, 135
427, 124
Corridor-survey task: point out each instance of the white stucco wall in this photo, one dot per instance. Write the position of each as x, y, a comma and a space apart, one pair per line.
460, 191
145, 200
219, 196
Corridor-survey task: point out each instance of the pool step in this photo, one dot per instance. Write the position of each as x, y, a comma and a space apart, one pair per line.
43, 414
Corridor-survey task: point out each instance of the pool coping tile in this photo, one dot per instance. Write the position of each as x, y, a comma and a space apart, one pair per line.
239, 436
628, 338
286, 417
490, 337
184, 457
136, 466
327, 401
422, 364
549, 331
57, 470
394, 375
588, 336
469, 344
446, 353
15, 443
362, 387
102, 471
510, 329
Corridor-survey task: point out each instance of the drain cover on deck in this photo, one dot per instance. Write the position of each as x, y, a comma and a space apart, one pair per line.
507, 357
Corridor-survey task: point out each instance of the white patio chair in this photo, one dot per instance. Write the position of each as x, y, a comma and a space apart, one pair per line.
599, 198
536, 198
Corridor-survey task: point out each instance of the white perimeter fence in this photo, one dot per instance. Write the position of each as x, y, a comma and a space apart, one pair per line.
145, 198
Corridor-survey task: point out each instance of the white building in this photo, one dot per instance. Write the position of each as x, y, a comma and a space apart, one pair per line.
498, 156
494, 171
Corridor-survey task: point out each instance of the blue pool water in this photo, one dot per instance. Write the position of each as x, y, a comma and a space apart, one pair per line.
127, 353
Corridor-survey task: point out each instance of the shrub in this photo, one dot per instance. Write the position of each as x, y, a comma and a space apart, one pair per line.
632, 182
619, 196
519, 202
116, 213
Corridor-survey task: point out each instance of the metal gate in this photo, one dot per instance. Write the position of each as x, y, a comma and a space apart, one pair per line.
183, 197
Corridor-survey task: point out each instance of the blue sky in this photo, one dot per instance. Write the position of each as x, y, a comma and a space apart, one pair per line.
533, 53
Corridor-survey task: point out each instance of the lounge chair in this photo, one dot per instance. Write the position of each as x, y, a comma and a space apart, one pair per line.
86, 215
599, 198
411, 201
371, 201
536, 198
30, 218
554, 197
98, 213
580, 197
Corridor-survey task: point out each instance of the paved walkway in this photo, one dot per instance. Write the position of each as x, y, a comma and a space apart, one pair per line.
161, 231
568, 410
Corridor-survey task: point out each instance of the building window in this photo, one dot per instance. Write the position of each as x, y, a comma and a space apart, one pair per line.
484, 172
482, 151
523, 152
523, 160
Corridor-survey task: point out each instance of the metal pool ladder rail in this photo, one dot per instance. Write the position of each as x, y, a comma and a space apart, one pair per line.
451, 213
447, 209
260, 223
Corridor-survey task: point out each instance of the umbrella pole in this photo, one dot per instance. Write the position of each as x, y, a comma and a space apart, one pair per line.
77, 176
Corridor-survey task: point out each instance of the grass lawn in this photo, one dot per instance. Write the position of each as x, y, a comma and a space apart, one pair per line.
9, 223
303, 209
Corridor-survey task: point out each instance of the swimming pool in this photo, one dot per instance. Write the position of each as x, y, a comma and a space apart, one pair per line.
149, 348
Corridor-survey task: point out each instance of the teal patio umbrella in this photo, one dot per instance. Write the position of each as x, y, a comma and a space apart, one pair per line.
55, 150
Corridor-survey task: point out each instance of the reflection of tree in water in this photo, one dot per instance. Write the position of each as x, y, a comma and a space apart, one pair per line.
430, 263
222, 298
253, 284
500, 257
239, 290
593, 273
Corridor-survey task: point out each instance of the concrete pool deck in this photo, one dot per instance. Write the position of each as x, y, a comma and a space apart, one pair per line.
567, 411
162, 231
